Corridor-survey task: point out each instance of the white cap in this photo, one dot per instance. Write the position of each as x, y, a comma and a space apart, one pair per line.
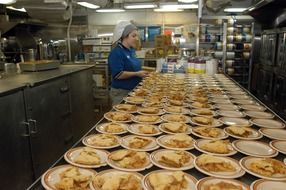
118, 30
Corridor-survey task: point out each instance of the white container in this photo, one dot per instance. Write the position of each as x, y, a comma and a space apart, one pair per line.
218, 54
211, 67
200, 68
230, 55
229, 63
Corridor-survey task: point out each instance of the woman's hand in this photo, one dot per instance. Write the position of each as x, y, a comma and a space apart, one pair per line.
142, 74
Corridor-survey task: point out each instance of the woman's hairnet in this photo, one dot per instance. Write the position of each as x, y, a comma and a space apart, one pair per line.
122, 29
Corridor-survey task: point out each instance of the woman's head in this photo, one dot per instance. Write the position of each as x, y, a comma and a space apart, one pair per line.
126, 33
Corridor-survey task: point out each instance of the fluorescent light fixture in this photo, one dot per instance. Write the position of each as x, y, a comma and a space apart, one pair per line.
234, 10
168, 10
140, 6
7, 2
179, 6
15, 9
187, 1
110, 10
105, 34
88, 5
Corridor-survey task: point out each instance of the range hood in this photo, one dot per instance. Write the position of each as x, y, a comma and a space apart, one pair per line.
270, 13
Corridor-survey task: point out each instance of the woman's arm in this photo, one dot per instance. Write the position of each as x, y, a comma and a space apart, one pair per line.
129, 74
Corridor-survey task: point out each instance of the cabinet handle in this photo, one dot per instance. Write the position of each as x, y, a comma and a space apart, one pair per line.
64, 89
35, 127
28, 132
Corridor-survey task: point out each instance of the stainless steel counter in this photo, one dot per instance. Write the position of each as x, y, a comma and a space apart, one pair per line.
19, 81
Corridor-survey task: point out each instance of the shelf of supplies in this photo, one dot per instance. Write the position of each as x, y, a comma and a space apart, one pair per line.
207, 42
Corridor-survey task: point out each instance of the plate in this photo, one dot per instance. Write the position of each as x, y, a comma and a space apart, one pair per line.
160, 140
191, 181
235, 121
163, 129
124, 142
237, 93
241, 97
213, 180
236, 174
138, 119
134, 128
259, 114
176, 110
278, 145
216, 123
175, 118
52, 176
89, 142
253, 107
227, 113
134, 99
125, 117
244, 102
102, 128
156, 155
161, 111
113, 172
125, 108
246, 162
254, 136
71, 155
222, 135
115, 165
254, 148
276, 134
267, 123
200, 112
200, 142
230, 107
264, 184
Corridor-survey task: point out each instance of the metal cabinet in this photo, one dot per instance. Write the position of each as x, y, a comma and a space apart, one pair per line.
264, 87
82, 103
281, 51
16, 165
279, 95
49, 112
268, 48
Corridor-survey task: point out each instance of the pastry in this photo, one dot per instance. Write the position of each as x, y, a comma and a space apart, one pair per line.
150, 110
162, 181
222, 186
179, 141
268, 167
129, 158
175, 158
139, 142
240, 131
176, 118
126, 107
88, 156
103, 140
175, 127
203, 120
208, 131
217, 146
214, 164
113, 128
147, 129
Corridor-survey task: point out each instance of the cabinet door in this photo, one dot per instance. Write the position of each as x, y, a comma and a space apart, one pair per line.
264, 87
48, 109
268, 49
279, 95
83, 116
16, 167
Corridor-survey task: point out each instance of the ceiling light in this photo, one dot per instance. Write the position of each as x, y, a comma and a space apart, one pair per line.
168, 10
140, 6
15, 9
179, 6
234, 10
110, 10
7, 1
187, 1
105, 34
88, 5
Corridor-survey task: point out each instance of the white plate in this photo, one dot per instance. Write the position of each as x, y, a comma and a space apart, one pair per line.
235, 121
263, 184
238, 173
113, 172
223, 135
155, 156
163, 129
201, 142
118, 109
230, 107
137, 120
216, 123
72, 154
253, 107
259, 114
134, 99
197, 112
227, 113
254, 136
191, 181
241, 97
87, 141
246, 103
101, 128
107, 116
237, 93
245, 164
183, 110
160, 140
254, 148
115, 165
161, 112
134, 128
167, 118
124, 142
276, 134
52, 176
268, 123
213, 180
278, 145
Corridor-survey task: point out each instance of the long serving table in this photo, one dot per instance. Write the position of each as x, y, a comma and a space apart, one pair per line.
208, 82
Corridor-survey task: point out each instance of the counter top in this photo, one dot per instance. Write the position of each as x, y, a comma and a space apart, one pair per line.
19, 81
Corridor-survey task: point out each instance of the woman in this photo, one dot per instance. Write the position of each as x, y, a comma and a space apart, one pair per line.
124, 66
